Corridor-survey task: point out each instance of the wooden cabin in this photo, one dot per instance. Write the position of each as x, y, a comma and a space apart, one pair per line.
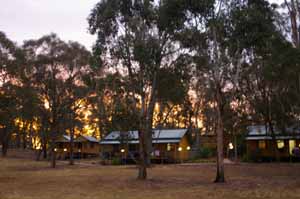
169, 145
263, 146
87, 145
63, 147
84, 146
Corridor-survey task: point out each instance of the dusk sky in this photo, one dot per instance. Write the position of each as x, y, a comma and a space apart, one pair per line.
30, 19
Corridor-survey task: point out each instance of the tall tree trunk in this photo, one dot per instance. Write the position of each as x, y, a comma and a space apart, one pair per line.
220, 151
235, 149
293, 18
72, 145
4, 148
5, 141
274, 141
18, 138
31, 135
53, 142
44, 146
24, 135
149, 120
53, 154
149, 132
142, 175
44, 142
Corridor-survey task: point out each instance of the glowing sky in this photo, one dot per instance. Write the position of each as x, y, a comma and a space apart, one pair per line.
30, 19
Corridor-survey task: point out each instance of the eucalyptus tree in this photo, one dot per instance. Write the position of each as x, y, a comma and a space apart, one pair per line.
204, 35
11, 58
110, 102
76, 66
135, 35
209, 33
56, 67
292, 10
268, 65
172, 94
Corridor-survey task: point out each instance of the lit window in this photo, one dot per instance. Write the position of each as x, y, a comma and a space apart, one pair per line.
169, 147
280, 144
230, 145
292, 145
262, 144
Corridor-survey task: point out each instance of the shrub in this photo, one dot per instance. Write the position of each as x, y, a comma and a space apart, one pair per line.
116, 161
206, 152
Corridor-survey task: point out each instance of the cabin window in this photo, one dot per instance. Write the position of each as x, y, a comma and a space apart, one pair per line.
61, 145
280, 144
169, 147
292, 145
262, 144
79, 145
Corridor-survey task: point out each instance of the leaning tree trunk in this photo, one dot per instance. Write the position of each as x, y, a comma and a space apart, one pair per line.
149, 120
220, 156
148, 137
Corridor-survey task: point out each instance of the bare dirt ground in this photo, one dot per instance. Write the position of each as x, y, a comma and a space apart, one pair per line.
28, 179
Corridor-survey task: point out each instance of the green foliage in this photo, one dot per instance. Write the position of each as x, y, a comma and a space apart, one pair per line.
116, 161
206, 152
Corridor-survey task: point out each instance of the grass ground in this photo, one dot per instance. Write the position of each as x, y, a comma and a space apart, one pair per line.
27, 179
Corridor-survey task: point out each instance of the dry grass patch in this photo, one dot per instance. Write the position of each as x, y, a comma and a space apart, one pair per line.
35, 180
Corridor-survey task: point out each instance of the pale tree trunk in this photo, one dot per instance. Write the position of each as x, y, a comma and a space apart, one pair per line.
149, 122
293, 18
220, 151
219, 103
